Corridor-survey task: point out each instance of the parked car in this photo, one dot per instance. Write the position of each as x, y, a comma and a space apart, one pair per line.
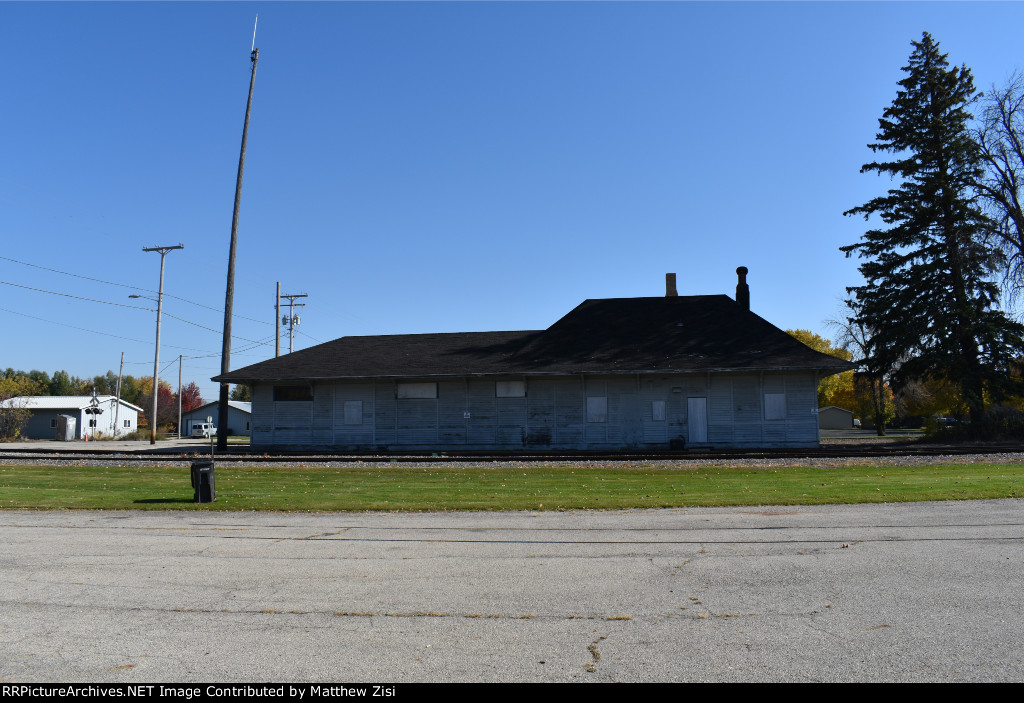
203, 429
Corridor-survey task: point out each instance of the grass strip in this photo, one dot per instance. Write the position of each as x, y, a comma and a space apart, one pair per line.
414, 489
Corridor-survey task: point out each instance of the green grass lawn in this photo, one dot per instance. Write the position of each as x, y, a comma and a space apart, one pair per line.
476, 488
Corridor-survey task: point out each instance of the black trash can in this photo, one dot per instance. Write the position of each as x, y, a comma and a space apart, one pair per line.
203, 482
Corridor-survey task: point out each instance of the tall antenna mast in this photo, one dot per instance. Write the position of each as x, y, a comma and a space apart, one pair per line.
254, 34
229, 296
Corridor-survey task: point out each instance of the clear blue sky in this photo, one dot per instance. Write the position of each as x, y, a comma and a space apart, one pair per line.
435, 167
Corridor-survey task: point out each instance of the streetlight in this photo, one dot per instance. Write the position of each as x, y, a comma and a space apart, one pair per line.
156, 357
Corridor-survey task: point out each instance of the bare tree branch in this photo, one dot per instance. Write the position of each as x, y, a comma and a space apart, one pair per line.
1000, 135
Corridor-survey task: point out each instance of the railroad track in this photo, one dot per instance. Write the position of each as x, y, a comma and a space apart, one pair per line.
248, 456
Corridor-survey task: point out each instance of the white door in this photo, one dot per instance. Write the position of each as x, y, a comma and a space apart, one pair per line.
697, 420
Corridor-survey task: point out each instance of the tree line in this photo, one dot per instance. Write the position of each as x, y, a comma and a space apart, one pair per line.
946, 244
137, 391
917, 403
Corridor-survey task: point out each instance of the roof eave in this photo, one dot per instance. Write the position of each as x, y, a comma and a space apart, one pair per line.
511, 372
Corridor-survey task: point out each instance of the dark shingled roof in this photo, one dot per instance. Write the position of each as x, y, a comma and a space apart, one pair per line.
615, 335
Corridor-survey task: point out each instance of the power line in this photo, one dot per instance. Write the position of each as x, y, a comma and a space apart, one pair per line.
82, 329
125, 285
310, 336
196, 324
264, 343
77, 297
105, 334
76, 275
123, 305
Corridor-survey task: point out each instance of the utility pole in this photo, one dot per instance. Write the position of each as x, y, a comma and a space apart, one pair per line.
179, 396
291, 319
225, 357
117, 408
156, 357
277, 327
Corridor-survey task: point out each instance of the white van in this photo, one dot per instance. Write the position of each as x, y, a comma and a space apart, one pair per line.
202, 429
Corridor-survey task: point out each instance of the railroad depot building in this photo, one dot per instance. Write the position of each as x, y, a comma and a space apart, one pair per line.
622, 373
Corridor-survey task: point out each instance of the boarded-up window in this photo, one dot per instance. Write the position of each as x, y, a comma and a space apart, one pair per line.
774, 406
293, 393
597, 408
353, 412
658, 410
416, 390
510, 389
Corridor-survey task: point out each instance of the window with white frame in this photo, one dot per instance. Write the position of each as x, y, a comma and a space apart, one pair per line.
127, 423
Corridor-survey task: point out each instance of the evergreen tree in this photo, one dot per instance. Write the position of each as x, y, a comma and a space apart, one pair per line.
929, 297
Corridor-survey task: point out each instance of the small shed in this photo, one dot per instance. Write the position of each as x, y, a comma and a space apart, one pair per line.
835, 418
66, 428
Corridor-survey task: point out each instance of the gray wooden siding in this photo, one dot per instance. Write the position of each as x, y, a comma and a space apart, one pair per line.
262, 415
655, 431
323, 414
385, 413
354, 435
293, 421
451, 413
467, 414
540, 415
569, 412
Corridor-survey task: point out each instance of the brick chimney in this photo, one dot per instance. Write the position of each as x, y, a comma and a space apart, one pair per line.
742, 289
670, 285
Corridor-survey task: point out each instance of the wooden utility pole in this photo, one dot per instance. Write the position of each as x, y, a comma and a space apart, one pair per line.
117, 408
225, 357
179, 395
292, 320
156, 356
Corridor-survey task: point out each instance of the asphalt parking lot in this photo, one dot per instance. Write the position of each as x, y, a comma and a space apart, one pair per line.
907, 592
